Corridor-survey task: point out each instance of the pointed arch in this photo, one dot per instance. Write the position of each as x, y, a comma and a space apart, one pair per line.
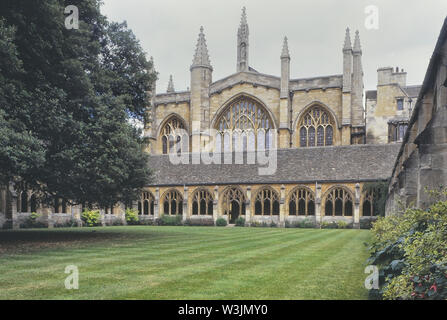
338, 201
172, 132
202, 202
233, 195
301, 202
244, 116
146, 204
266, 202
315, 126
172, 202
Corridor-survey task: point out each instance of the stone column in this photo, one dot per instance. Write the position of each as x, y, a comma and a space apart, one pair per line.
318, 205
282, 207
357, 207
248, 206
185, 214
157, 203
76, 213
14, 216
122, 213
216, 206
103, 218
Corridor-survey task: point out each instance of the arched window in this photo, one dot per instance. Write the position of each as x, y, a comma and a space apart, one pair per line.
316, 128
146, 204
368, 205
24, 201
301, 202
33, 203
338, 203
267, 202
173, 137
202, 203
172, 203
233, 202
248, 124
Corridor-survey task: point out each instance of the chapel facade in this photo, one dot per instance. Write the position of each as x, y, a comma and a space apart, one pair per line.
315, 125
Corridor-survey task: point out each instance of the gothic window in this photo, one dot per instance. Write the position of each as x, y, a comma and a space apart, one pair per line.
33, 203
202, 203
400, 104
233, 201
302, 202
244, 125
316, 128
368, 205
173, 203
56, 205
24, 202
396, 131
146, 204
267, 202
338, 203
173, 137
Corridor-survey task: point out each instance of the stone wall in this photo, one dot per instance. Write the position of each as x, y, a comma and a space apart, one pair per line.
422, 161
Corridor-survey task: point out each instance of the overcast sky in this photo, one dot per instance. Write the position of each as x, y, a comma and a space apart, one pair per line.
168, 31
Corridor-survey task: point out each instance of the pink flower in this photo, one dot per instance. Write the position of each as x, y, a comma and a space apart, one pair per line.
434, 287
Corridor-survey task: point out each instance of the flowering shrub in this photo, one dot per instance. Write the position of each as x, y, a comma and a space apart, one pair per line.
132, 217
91, 218
411, 252
32, 221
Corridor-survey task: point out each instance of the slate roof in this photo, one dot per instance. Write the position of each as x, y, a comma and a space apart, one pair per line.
412, 92
371, 95
299, 165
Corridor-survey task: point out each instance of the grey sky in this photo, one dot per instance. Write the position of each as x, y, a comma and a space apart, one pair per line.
168, 31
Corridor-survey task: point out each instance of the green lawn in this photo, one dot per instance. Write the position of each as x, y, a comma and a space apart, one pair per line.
184, 263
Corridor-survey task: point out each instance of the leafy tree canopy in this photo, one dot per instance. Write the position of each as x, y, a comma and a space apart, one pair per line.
67, 98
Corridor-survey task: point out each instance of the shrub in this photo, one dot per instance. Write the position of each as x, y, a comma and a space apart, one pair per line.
273, 224
91, 218
329, 225
343, 225
306, 223
167, 220
411, 253
71, 223
240, 222
147, 222
221, 222
132, 217
199, 222
366, 224
32, 221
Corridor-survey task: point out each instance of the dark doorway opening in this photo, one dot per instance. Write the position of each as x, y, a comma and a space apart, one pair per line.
235, 211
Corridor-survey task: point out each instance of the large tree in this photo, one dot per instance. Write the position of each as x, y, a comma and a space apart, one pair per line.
67, 98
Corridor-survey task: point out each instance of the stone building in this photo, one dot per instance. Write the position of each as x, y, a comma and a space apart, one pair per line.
422, 158
267, 148
388, 108
314, 126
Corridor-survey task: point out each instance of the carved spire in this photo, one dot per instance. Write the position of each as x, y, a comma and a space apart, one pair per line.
170, 85
201, 56
357, 47
347, 45
285, 49
242, 43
